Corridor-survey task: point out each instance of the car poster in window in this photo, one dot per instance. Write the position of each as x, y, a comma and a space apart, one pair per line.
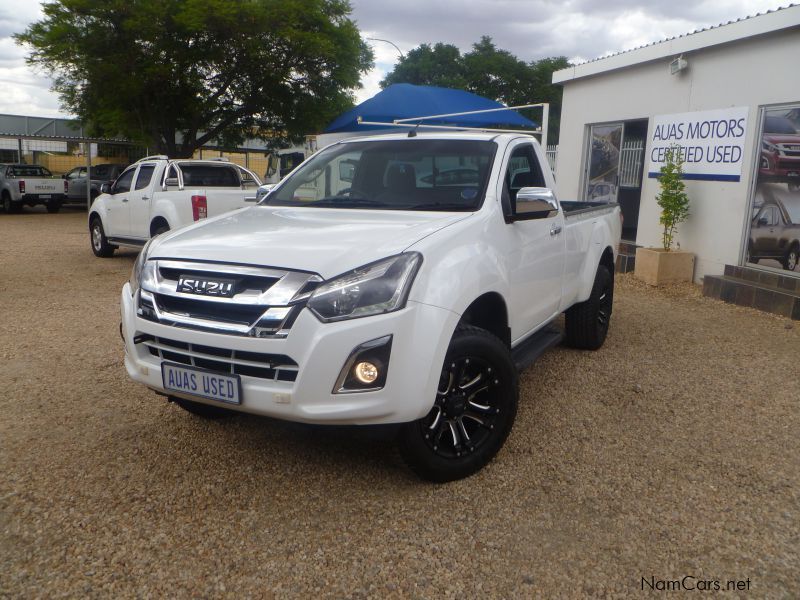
774, 232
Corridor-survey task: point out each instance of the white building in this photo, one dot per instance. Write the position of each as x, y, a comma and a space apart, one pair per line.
619, 111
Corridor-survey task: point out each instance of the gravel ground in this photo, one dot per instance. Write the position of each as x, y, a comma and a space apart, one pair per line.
672, 451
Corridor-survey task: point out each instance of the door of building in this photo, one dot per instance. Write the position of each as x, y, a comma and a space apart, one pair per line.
614, 169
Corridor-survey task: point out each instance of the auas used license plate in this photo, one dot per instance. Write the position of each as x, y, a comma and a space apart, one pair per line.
199, 382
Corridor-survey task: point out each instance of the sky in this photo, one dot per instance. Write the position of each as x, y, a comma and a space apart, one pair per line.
530, 29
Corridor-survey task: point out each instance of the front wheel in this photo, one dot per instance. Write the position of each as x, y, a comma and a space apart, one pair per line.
792, 256
586, 323
97, 236
474, 410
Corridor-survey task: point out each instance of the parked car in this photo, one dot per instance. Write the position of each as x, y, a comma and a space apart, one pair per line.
157, 194
22, 184
775, 233
371, 299
100, 174
780, 153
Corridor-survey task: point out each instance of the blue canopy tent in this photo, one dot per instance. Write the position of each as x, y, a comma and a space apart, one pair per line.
404, 101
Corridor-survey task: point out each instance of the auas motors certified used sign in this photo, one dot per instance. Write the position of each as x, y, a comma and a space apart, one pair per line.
711, 143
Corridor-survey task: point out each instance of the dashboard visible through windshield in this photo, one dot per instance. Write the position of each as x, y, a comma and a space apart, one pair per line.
406, 174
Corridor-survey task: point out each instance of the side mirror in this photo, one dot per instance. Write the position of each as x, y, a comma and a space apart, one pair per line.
534, 203
105, 188
347, 169
262, 191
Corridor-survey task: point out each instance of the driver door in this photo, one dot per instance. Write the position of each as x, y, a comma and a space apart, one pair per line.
537, 247
118, 216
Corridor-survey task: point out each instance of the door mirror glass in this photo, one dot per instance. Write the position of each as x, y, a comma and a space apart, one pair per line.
347, 169
534, 203
105, 188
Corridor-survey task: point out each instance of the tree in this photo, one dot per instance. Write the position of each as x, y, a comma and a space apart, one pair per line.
440, 65
175, 74
672, 198
487, 71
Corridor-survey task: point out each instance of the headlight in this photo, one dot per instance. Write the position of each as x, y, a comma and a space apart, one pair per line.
373, 289
136, 272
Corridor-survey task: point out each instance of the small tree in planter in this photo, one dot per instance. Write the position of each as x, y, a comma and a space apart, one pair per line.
663, 265
673, 200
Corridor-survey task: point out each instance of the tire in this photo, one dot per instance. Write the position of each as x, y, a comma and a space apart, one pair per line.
98, 240
206, 411
159, 229
792, 258
53, 206
473, 413
587, 323
9, 206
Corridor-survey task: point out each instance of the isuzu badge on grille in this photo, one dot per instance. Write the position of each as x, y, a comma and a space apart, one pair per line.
206, 286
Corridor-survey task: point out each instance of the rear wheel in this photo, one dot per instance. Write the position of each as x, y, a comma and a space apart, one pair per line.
205, 411
97, 236
9, 206
586, 323
474, 410
159, 227
792, 256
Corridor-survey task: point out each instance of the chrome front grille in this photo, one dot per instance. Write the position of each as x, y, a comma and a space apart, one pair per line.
276, 367
265, 302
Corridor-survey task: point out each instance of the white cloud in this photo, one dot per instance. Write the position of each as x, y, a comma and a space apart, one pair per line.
531, 29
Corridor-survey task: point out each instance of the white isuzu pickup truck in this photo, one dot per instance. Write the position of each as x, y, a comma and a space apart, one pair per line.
156, 194
401, 279
22, 184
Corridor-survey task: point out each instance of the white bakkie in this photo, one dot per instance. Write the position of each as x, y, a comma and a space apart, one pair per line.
400, 279
156, 194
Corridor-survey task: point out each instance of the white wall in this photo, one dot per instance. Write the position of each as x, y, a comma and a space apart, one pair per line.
753, 72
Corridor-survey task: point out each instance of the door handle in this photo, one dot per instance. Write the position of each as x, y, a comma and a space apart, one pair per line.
124, 199
555, 229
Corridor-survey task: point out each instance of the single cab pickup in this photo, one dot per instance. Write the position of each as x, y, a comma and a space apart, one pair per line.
156, 194
22, 184
388, 280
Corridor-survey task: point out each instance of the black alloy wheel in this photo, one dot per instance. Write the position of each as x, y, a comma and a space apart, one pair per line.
472, 414
464, 414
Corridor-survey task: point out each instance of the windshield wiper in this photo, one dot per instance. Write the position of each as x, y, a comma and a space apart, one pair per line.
345, 201
440, 206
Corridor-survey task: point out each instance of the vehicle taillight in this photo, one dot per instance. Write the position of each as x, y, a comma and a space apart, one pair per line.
21, 187
199, 207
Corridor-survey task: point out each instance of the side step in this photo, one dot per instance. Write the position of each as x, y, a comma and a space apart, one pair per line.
526, 353
130, 242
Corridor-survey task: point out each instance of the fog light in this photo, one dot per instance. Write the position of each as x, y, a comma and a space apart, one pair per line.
366, 372
366, 368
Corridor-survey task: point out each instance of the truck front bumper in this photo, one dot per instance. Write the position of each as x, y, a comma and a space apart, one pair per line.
420, 336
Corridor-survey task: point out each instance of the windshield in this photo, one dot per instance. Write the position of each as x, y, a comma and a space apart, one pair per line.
406, 174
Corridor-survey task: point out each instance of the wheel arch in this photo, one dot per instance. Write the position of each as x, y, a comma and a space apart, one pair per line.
154, 224
490, 312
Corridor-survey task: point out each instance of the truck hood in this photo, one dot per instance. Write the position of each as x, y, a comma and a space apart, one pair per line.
319, 240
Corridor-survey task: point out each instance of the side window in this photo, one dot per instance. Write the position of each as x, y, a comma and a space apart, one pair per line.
144, 176
248, 181
523, 171
123, 184
772, 217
